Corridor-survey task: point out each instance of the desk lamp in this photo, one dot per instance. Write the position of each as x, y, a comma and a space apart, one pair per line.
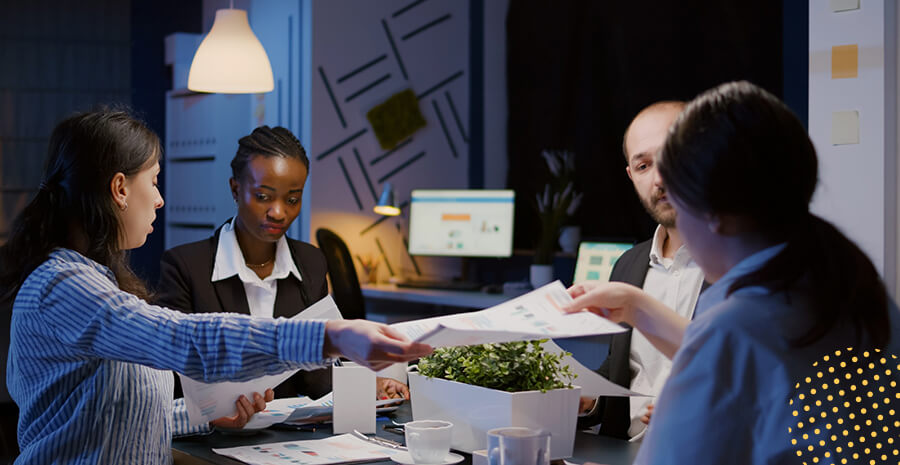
386, 205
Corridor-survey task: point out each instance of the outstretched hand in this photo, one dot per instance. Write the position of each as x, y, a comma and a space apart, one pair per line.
245, 410
370, 344
614, 301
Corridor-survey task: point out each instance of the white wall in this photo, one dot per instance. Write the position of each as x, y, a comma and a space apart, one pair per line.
857, 182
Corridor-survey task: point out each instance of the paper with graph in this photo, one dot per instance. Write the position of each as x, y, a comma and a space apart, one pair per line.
207, 401
535, 315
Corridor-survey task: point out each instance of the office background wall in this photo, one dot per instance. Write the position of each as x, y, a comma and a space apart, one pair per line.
362, 53
567, 35
579, 71
61, 57
857, 181
151, 22
57, 58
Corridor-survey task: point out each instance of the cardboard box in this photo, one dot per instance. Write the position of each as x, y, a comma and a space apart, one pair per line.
474, 410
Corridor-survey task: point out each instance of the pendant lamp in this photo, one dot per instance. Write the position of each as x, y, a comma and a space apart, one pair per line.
230, 60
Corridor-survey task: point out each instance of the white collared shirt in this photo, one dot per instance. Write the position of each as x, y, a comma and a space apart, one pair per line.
675, 282
260, 292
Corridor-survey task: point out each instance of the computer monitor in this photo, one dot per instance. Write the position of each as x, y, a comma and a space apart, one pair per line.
596, 259
461, 223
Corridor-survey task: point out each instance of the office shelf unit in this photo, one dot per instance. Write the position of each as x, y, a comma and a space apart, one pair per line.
202, 131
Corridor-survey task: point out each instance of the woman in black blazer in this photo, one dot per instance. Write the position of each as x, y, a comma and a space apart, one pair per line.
249, 266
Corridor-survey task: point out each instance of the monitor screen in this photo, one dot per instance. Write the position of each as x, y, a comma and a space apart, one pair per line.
596, 259
461, 223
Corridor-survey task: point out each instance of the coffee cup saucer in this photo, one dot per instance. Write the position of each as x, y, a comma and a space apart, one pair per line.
404, 458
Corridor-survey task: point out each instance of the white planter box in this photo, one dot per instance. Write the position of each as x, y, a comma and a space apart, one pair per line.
474, 410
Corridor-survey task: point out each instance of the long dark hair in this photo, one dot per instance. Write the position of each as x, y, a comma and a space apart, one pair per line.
267, 142
736, 149
85, 152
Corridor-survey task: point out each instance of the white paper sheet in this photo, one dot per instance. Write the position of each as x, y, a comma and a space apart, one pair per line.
208, 401
277, 411
345, 448
535, 315
591, 383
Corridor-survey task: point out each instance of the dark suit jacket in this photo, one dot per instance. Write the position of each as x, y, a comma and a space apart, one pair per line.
185, 284
614, 413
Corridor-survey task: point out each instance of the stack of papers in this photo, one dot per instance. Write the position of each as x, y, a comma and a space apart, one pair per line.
206, 402
303, 411
345, 448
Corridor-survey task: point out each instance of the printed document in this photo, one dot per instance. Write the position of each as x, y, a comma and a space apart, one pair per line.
345, 448
535, 315
591, 383
208, 401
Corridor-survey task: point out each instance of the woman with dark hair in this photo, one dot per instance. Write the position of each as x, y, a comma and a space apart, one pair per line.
789, 289
248, 265
90, 359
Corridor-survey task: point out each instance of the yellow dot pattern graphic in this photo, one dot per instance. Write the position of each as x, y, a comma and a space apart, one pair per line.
853, 418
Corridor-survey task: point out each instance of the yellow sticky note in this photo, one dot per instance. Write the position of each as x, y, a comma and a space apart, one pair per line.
845, 127
844, 61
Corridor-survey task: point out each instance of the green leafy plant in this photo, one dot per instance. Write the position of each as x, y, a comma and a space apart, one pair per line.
556, 204
512, 366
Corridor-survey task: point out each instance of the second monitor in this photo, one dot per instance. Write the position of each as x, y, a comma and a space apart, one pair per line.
461, 223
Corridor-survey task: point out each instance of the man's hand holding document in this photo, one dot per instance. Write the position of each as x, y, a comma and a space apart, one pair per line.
535, 315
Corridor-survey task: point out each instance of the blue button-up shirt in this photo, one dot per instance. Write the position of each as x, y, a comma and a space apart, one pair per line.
88, 363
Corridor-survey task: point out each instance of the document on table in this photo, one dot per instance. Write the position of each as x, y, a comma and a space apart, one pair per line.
592, 384
303, 411
535, 315
207, 401
345, 448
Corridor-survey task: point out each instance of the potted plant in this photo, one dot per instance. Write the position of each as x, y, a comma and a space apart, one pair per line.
481, 387
555, 206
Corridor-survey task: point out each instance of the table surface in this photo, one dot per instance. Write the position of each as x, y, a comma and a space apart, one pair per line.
465, 299
198, 450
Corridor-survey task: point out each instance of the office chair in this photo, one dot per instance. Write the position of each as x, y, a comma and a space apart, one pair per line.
342, 274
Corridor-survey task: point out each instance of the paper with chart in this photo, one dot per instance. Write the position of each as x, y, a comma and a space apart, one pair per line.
345, 448
303, 410
591, 383
207, 401
535, 315
277, 411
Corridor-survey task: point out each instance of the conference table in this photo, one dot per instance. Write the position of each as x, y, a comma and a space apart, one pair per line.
197, 450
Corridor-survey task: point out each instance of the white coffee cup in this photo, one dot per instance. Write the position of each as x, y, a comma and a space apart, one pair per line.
428, 441
518, 446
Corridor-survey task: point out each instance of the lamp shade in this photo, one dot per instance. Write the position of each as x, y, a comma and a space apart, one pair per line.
386, 205
230, 60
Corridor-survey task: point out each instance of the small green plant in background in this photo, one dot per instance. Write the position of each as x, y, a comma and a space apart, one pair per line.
511, 366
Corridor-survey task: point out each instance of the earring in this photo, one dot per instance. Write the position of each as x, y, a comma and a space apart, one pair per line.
124, 206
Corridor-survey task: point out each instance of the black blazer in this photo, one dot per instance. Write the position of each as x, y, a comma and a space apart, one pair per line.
614, 413
185, 284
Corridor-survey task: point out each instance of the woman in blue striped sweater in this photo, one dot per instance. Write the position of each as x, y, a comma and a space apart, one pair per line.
90, 359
